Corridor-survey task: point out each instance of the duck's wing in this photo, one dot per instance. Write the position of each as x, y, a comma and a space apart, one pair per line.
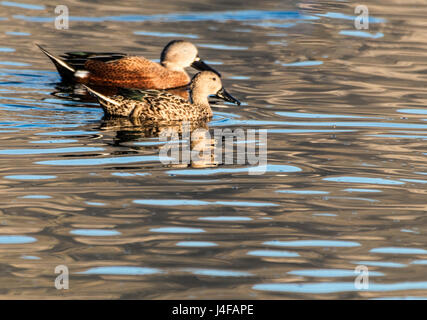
69, 63
156, 104
152, 95
138, 94
78, 59
127, 72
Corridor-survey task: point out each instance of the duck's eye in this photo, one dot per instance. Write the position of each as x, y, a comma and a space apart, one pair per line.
214, 79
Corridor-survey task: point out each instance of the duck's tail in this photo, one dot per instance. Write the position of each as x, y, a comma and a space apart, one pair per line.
65, 70
103, 100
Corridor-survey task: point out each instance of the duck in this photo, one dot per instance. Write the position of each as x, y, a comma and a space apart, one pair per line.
126, 71
160, 105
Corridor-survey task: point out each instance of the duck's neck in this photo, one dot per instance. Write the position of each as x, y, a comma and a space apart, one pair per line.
200, 99
172, 66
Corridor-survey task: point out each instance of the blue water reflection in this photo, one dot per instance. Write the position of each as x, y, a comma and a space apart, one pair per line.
120, 270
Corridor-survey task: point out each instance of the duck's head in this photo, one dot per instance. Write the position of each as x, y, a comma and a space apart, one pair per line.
208, 83
179, 54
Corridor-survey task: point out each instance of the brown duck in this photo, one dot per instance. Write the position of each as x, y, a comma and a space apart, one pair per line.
121, 70
157, 105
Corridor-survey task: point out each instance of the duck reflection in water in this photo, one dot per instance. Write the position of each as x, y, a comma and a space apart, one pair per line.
180, 143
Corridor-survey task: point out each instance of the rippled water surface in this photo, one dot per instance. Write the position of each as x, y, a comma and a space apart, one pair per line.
346, 181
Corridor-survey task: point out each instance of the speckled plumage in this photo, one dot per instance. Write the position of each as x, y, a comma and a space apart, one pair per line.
153, 105
156, 105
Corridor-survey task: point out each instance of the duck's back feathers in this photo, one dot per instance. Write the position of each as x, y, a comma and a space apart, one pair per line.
134, 72
142, 95
77, 59
156, 104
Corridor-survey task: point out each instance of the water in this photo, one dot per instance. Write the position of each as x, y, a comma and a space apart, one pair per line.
345, 184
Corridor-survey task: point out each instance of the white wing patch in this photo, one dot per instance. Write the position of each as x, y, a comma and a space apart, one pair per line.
81, 74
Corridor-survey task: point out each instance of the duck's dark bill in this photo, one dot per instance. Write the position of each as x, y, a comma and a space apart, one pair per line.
224, 95
201, 66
